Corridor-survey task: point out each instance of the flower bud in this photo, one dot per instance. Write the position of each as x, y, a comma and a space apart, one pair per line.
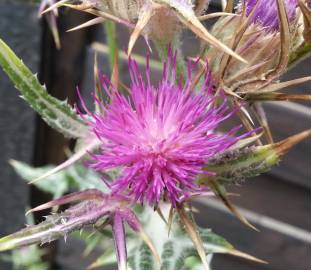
163, 23
159, 20
262, 32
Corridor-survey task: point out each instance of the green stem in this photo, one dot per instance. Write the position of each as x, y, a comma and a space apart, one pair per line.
112, 41
162, 48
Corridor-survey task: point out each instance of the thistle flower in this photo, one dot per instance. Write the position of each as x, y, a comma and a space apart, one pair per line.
264, 33
160, 136
266, 12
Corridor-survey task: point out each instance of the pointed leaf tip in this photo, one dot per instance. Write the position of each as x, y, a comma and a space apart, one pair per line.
72, 160
87, 24
54, 6
219, 190
194, 235
143, 20
284, 146
246, 256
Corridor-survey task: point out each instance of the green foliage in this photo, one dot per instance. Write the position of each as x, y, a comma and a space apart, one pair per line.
58, 114
111, 34
176, 249
27, 258
74, 177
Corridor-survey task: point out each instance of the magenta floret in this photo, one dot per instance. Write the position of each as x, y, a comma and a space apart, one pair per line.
161, 136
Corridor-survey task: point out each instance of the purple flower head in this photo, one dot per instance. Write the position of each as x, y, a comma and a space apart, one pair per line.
161, 136
266, 13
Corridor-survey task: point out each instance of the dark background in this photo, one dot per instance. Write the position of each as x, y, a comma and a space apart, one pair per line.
278, 203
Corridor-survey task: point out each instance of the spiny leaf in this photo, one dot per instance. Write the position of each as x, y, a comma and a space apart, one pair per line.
176, 249
221, 192
58, 114
141, 258
91, 194
261, 116
44, 232
60, 225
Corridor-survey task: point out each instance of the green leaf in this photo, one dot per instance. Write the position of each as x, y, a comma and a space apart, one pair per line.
176, 249
55, 184
111, 34
27, 258
87, 212
85, 178
142, 258
58, 114
74, 177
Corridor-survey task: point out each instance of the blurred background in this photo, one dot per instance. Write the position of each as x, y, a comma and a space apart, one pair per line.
278, 203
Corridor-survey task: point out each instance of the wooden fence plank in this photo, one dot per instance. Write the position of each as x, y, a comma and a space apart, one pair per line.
278, 199
282, 252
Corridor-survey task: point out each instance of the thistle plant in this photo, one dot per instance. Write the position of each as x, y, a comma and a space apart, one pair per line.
146, 153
